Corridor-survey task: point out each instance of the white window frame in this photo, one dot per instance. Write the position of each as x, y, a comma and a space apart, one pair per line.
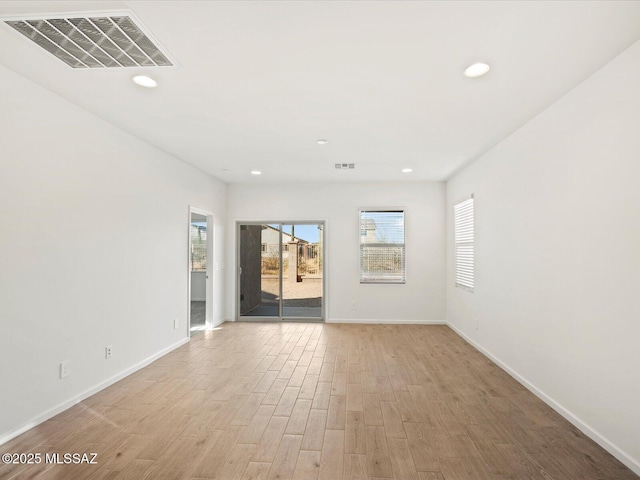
403, 279
464, 244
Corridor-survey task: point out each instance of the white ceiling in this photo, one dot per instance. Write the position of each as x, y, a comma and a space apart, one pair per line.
259, 82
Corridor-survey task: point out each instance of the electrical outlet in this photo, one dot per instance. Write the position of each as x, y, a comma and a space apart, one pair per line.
354, 305
175, 323
107, 352
64, 369
477, 324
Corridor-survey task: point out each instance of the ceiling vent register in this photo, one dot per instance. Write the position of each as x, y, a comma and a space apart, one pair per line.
94, 41
345, 166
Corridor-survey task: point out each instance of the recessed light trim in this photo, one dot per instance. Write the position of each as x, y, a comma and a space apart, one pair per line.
322, 141
476, 70
256, 172
407, 170
145, 81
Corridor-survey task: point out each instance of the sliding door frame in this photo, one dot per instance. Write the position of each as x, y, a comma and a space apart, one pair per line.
281, 317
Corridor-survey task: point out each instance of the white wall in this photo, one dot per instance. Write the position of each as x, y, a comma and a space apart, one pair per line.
421, 299
69, 286
558, 255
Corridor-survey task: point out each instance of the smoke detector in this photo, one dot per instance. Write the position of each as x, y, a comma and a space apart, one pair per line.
94, 40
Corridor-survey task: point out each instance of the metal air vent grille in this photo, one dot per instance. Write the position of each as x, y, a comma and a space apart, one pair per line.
94, 41
345, 166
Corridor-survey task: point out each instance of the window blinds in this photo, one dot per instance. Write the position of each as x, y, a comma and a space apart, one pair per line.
382, 249
464, 249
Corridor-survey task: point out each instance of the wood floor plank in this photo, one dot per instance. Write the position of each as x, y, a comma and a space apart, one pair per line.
314, 431
315, 366
256, 471
430, 476
248, 409
408, 410
326, 372
371, 407
287, 369
236, 463
355, 467
401, 459
308, 388
378, 461
392, 420
322, 396
257, 425
218, 452
469, 468
307, 466
423, 443
284, 462
265, 382
339, 383
355, 436
298, 419
297, 378
354, 397
275, 391
287, 401
337, 413
332, 457
270, 440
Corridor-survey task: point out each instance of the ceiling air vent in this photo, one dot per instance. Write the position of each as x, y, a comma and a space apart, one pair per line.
345, 166
94, 41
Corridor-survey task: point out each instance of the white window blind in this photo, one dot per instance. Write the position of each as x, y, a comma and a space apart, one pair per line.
464, 248
382, 250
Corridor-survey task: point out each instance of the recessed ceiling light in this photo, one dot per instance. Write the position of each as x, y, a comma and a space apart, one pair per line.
322, 141
407, 170
256, 172
476, 70
145, 81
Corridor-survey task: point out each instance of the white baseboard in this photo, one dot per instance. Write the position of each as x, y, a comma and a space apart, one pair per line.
91, 391
386, 321
590, 432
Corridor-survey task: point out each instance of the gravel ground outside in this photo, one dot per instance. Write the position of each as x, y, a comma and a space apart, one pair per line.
307, 293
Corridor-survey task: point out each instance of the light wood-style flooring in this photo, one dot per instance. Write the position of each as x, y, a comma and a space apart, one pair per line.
267, 401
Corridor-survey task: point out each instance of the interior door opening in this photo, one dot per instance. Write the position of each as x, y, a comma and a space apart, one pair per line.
200, 250
281, 271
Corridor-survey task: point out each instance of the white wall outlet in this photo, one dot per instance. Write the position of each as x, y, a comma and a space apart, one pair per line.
108, 351
64, 369
354, 305
477, 324
176, 322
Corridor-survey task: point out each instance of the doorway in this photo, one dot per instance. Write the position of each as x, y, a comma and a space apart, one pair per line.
200, 256
281, 271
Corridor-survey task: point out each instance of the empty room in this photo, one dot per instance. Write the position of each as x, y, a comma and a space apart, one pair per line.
320, 240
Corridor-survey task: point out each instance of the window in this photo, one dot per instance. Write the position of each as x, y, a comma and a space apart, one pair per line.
382, 252
263, 247
464, 249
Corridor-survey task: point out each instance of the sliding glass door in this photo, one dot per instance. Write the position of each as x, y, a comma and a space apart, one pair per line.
280, 274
